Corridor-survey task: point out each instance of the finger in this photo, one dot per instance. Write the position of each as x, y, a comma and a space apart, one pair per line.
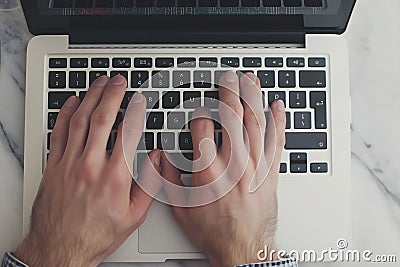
79, 125
127, 142
253, 117
59, 136
231, 113
204, 149
147, 186
103, 117
275, 137
175, 193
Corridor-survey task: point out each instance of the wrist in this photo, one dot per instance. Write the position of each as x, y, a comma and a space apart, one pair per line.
36, 254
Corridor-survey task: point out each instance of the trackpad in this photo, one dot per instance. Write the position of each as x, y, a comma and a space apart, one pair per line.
160, 233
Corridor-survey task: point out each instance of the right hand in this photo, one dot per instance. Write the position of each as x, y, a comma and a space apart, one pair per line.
231, 230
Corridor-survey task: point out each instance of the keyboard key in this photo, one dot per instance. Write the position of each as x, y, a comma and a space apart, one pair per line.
211, 99
302, 120
127, 98
208, 62
185, 141
250, 3
181, 79
296, 62
155, 120
202, 79
207, 3
218, 139
166, 141
100, 62
239, 73
267, 78
118, 120
230, 61
51, 120
139, 79
252, 62
77, 79
146, 141
317, 62
121, 62
275, 95
312, 79
57, 99
164, 62
319, 167
57, 63
176, 120
272, 3
283, 168
79, 62
292, 3
287, 79
123, 3
123, 73
217, 120
153, 99
186, 62
318, 103
217, 76
229, 3
48, 141
298, 157
171, 100
288, 121
57, 79
143, 62
191, 99
297, 99
274, 62
160, 79
313, 3
298, 167
82, 95
111, 141
93, 75
306, 140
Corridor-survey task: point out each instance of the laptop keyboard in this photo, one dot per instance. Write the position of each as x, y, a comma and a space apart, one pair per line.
183, 3
175, 85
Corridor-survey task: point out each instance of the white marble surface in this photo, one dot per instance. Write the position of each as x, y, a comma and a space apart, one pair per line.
374, 42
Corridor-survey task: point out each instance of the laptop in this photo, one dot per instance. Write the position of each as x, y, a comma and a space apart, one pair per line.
164, 48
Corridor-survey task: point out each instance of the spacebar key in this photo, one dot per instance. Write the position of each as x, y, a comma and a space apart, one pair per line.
310, 140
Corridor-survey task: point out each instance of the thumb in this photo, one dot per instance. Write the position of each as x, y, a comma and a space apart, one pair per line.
147, 186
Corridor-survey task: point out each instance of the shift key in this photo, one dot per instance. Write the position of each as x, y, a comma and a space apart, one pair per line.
304, 140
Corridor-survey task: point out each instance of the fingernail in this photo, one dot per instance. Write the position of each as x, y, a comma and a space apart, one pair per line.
280, 105
230, 76
137, 98
249, 79
101, 81
118, 80
71, 102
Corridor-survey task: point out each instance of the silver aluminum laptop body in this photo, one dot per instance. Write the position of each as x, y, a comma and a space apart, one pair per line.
314, 205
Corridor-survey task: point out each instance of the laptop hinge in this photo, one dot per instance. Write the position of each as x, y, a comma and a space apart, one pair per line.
198, 40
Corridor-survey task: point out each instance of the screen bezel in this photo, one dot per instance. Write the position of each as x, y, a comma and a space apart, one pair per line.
163, 29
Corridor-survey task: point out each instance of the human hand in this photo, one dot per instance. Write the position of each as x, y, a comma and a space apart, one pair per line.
231, 230
85, 207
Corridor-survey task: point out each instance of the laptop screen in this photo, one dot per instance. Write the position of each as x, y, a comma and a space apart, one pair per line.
186, 20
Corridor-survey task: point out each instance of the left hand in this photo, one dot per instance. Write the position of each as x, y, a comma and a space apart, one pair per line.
85, 207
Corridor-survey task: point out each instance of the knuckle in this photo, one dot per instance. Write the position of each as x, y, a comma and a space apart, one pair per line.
101, 118
78, 121
86, 172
